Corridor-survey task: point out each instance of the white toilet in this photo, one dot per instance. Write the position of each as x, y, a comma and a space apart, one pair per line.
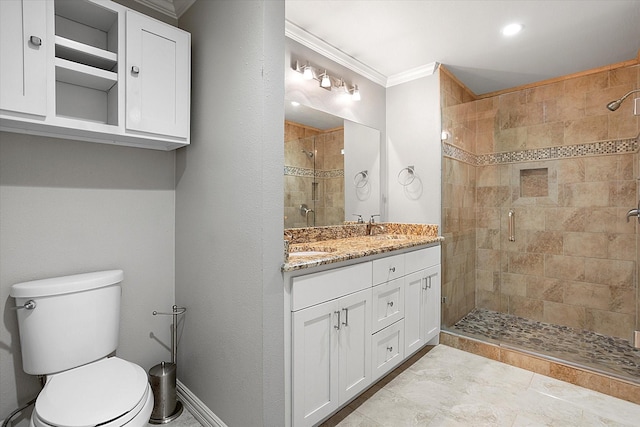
68, 326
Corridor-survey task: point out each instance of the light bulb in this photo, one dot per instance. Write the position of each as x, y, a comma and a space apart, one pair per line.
356, 93
308, 72
325, 82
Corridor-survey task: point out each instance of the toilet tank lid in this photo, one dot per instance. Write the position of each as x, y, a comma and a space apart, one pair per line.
66, 284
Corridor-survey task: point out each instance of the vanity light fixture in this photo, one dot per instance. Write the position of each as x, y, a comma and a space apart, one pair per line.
355, 93
512, 29
326, 81
308, 72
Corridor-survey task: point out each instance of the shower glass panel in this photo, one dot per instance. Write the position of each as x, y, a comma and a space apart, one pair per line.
568, 262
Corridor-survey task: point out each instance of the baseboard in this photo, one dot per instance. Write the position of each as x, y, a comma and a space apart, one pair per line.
198, 409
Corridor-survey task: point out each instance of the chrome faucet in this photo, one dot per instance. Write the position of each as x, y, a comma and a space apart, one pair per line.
371, 225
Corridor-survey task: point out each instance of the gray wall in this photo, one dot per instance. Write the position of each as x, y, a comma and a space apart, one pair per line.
69, 207
413, 139
229, 192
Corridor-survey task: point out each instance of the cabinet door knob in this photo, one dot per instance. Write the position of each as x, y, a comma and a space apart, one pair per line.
35, 40
135, 70
392, 269
390, 303
390, 348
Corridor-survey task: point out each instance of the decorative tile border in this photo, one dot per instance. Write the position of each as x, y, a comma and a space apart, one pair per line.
306, 172
620, 146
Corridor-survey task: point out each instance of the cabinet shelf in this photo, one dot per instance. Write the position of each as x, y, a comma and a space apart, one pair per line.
84, 75
81, 53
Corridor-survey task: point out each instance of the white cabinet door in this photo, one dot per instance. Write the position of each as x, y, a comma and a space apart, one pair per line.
157, 77
431, 303
354, 344
422, 308
23, 56
413, 312
315, 363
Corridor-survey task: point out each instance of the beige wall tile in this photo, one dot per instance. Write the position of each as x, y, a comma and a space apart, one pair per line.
593, 245
526, 263
545, 289
610, 272
587, 295
526, 307
593, 128
610, 323
564, 267
565, 314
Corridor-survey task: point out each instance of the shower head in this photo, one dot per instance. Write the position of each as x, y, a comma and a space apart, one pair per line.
614, 105
308, 153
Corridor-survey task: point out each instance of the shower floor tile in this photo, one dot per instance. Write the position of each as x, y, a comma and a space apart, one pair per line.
609, 355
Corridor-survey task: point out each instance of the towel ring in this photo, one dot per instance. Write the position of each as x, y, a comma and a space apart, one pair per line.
406, 175
361, 179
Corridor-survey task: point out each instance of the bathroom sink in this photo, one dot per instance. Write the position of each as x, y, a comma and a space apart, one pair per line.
306, 253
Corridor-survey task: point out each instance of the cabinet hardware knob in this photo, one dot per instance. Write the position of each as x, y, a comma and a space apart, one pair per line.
390, 303
35, 40
29, 305
135, 70
390, 348
392, 269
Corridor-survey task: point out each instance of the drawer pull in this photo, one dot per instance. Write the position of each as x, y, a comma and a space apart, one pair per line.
392, 269
135, 70
390, 303
390, 349
35, 40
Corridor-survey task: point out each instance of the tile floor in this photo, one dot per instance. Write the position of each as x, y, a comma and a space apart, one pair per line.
610, 355
450, 387
185, 419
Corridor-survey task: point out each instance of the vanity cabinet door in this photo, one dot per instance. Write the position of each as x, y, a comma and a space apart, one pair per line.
432, 302
315, 363
331, 356
23, 56
413, 312
158, 77
422, 308
355, 344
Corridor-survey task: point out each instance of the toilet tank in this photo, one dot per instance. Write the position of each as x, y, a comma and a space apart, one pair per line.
75, 320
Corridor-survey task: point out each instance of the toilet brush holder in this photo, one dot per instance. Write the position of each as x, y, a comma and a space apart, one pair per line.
166, 407
162, 378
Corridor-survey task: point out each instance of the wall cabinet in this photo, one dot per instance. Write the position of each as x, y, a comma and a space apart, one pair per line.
23, 57
352, 325
96, 71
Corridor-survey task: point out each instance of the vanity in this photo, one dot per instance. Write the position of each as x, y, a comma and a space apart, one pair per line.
358, 302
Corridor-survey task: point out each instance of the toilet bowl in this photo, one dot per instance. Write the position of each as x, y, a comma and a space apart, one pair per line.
68, 327
109, 392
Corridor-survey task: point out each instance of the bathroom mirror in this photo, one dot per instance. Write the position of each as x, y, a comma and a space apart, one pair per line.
332, 168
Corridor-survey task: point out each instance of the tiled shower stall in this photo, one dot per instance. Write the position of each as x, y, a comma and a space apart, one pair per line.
566, 169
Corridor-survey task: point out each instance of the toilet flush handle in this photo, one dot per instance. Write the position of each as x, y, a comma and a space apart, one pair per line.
29, 305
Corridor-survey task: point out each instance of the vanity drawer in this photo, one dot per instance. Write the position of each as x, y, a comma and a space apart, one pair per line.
316, 288
388, 304
387, 349
418, 260
388, 268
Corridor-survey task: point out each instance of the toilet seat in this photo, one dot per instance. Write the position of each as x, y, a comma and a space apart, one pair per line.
108, 392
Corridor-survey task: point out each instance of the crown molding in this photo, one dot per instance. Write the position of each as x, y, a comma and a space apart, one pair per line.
307, 39
172, 8
412, 74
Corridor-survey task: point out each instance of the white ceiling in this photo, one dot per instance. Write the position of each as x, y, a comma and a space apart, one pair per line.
392, 38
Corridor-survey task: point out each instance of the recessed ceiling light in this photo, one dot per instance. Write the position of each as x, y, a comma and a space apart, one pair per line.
512, 29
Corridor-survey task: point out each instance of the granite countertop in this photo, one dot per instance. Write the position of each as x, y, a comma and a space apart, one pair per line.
350, 241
